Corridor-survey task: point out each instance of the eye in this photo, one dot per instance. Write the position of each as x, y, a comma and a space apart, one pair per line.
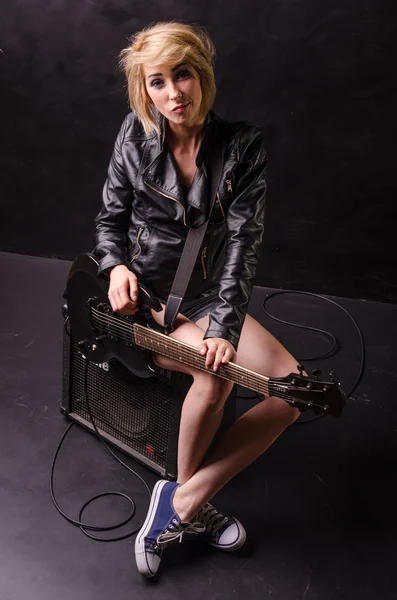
183, 74
155, 83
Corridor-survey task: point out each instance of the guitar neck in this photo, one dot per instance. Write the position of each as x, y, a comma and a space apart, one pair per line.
189, 355
296, 389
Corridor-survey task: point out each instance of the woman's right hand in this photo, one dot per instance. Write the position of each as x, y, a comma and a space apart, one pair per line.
123, 290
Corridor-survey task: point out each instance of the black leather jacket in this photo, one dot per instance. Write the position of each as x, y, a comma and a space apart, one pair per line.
145, 217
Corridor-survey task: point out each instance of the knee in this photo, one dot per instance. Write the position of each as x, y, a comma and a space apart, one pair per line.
212, 390
288, 412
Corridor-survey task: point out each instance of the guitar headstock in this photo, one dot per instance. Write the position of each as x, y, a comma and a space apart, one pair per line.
306, 393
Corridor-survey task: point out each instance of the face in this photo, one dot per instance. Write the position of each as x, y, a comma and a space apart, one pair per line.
171, 87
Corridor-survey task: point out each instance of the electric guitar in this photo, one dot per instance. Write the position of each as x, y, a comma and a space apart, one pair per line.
103, 335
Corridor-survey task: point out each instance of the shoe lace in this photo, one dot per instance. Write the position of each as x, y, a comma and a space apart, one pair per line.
175, 532
211, 518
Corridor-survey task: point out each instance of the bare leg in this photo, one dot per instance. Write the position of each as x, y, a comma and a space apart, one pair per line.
202, 408
200, 418
249, 437
253, 433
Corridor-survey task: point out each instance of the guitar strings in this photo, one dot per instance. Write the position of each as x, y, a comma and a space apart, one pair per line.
191, 353
248, 379
151, 336
243, 377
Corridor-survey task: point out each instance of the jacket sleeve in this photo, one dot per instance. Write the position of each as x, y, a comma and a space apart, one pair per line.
111, 223
245, 224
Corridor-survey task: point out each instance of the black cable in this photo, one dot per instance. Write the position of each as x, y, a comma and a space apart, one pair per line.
329, 352
84, 526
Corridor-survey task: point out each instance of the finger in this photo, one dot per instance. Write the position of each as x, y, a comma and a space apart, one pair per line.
126, 302
202, 348
134, 290
229, 355
210, 357
220, 353
113, 299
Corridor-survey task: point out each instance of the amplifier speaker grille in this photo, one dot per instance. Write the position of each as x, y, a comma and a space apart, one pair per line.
139, 416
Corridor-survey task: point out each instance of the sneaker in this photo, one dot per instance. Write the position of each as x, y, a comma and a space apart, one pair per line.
162, 527
224, 533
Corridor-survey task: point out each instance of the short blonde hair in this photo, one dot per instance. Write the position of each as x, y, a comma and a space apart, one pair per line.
168, 43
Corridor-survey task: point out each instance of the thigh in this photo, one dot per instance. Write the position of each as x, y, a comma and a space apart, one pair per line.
185, 331
259, 350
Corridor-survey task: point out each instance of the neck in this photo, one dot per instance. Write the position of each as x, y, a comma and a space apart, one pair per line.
183, 135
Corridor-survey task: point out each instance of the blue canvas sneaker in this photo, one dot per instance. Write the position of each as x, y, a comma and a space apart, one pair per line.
162, 527
224, 533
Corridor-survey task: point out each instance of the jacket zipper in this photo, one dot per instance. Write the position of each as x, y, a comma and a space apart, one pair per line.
171, 198
229, 185
203, 257
138, 244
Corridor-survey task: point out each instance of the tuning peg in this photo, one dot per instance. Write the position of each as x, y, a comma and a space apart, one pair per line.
300, 368
332, 375
316, 373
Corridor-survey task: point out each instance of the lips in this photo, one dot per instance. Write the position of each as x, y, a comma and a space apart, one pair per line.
180, 106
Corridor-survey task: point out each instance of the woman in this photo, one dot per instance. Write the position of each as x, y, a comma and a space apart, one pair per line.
157, 187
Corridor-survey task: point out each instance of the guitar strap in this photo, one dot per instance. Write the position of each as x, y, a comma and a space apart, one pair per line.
193, 241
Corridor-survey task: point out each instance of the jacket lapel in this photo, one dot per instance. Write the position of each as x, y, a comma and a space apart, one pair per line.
162, 176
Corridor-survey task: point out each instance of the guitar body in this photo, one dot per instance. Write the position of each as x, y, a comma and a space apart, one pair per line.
84, 290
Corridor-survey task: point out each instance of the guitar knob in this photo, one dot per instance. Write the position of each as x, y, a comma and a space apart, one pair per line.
316, 373
99, 338
300, 368
332, 375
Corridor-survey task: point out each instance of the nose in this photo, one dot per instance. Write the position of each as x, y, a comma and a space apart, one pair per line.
175, 92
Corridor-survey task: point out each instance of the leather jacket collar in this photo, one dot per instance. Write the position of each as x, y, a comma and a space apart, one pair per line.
161, 173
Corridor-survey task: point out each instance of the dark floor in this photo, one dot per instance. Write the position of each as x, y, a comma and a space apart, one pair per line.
319, 506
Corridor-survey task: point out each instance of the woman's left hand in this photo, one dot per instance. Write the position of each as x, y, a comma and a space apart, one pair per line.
218, 352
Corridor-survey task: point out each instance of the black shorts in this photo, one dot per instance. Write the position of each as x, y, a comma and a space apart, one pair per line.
195, 308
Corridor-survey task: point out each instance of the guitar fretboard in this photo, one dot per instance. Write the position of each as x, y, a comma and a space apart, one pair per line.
167, 346
123, 330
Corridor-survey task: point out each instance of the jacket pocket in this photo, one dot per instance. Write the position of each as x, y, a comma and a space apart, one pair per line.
137, 249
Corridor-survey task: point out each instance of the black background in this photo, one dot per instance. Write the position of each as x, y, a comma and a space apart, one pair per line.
317, 77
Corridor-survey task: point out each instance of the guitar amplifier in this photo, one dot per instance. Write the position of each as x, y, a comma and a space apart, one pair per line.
139, 416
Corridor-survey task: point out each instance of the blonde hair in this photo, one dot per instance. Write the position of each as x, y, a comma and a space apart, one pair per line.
167, 43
